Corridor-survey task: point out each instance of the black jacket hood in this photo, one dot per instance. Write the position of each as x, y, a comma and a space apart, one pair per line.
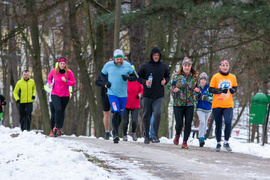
153, 51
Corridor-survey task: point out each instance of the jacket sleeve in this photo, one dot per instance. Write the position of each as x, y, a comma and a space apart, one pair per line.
209, 96
215, 90
47, 88
132, 77
141, 76
34, 89
99, 82
71, 81
104, 78
171, 84
16, 90
50, 76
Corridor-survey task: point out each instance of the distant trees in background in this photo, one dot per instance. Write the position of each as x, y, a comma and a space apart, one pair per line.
34, 34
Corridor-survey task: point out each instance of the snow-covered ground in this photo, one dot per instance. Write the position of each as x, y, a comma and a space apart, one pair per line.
32, 155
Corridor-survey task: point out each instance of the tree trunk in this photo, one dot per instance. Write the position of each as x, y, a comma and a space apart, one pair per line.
117, 24
85, 79
33, 24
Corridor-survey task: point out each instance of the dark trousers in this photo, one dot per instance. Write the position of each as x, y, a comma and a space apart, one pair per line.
134, 120
25, 115
52, 115
179, 113
116, 121
227, 113
152, 105
60, 104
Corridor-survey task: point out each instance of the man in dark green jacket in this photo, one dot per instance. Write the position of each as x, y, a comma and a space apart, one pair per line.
24, 94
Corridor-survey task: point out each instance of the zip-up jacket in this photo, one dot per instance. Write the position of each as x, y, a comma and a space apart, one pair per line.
186, 86
61, 88
159, 71
207, 104
134, 88
27, 89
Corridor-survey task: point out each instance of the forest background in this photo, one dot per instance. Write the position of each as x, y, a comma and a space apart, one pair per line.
35, 33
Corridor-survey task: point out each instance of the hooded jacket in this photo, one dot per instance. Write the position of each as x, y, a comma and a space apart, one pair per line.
159, 71
205, 105
27, 89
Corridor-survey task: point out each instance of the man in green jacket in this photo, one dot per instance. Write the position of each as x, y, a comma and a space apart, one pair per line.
24, 94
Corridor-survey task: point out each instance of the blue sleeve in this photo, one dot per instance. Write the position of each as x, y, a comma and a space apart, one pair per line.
105, 69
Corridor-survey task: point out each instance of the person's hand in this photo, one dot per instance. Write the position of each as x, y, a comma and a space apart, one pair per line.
64, 79
203, 97
232, 91
33, 97
18, 101
196, 97
163, 81
139, 96
51, 85
125, 77
108, 84
148, 83
4, 103
224, 90
196, 89
176, 90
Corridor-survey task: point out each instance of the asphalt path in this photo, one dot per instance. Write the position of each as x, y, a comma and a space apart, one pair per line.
168, 161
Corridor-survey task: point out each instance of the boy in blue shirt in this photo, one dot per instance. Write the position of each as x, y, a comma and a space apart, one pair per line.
204, 106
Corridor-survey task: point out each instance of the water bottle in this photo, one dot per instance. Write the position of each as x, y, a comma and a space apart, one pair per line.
150, 79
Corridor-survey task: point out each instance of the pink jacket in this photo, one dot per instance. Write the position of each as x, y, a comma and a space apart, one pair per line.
134, 88
60, 88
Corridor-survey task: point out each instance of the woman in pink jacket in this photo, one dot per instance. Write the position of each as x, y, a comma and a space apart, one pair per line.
63, 77
134, 93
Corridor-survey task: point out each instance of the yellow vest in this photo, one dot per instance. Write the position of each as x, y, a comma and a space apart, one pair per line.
27, 89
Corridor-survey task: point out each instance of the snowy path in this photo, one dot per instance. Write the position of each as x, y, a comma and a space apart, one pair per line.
168, 161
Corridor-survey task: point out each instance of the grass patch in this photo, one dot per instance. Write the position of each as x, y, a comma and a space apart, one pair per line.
97, 161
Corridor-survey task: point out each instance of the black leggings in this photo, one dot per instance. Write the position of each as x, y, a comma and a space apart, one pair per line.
179, 113
60, 104
134, 118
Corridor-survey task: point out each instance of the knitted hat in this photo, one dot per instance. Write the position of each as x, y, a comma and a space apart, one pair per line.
186, 61
62, 60
118, 54
203, 75
223, 62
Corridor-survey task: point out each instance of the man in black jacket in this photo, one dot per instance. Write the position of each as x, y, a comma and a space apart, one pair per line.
153, 92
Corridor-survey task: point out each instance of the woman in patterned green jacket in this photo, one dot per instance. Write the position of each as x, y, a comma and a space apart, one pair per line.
182, 86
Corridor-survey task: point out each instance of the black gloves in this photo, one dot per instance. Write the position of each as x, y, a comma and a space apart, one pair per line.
125, 77
203, 97
196, 97
33, 97
4, 103
224, 90
18, 101
108, 84
232, 90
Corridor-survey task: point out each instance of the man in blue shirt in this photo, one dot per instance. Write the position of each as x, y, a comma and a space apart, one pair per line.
115, 75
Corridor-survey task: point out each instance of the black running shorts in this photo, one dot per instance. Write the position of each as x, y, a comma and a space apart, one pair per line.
105, 103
